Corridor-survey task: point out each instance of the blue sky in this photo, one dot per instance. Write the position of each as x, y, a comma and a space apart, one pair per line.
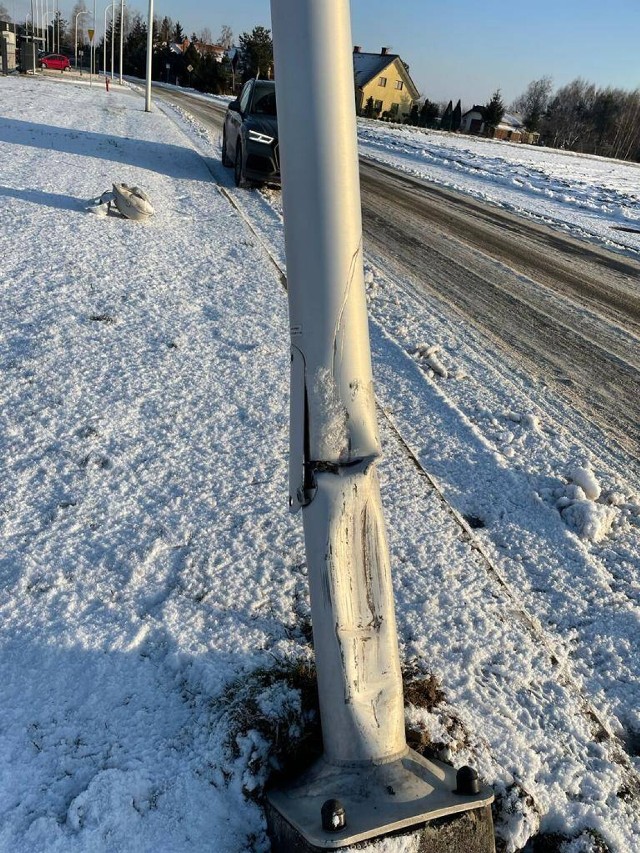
464, 48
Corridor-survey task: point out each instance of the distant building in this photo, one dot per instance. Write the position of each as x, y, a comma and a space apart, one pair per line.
215, 50
511, 127
384, 78
473, 121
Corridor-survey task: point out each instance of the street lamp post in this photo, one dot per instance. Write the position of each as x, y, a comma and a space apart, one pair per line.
104, 41
113, 18
76, 39
92, 50
33, 42
121, 36
367, 770
147, 98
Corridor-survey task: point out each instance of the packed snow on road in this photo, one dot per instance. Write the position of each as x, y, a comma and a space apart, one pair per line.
156, 660
590, 197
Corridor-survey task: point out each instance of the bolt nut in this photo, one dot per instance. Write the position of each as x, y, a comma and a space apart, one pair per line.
333, 816
467, 781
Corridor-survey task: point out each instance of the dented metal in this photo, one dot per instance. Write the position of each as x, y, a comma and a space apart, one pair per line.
354, 630
382, 785
334, 441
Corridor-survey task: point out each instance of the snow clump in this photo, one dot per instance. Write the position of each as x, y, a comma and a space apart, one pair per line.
584, 477
429, 354
577, 504
589, 520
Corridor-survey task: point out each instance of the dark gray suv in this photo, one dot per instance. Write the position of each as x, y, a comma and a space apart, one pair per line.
250, 135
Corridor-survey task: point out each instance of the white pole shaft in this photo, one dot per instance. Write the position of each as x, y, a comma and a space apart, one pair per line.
93, 41
121, 35
113, 18
334, 439
147, 98
104, 42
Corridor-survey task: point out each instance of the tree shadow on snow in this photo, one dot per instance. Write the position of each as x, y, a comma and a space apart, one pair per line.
166, 159
59, 202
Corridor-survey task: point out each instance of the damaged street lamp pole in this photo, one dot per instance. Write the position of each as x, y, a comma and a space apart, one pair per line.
368, 782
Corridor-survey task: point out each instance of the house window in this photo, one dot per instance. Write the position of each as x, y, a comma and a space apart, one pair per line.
377, 105
382, 81
399, 85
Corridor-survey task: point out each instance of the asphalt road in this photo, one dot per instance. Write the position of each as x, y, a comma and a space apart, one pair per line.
562, 308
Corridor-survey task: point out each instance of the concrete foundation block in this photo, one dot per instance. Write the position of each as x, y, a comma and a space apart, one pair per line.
467, 832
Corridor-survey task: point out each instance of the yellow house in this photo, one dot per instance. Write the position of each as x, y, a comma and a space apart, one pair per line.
385, 78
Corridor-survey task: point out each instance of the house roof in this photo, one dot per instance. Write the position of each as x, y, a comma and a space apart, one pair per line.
512, 121
475, 109
366, 66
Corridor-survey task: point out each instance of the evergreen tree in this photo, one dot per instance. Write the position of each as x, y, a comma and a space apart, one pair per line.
494, 111
414, 116
256, 48
456, 117
447, 116
61, 32
164, 30
210, 75
177, 35
428, 113
135, 48
369, 110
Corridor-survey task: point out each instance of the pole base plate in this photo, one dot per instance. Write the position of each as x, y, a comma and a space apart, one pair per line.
377, 800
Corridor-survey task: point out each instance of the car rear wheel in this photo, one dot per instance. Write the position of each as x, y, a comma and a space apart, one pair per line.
238, 171
43, 65
225, 157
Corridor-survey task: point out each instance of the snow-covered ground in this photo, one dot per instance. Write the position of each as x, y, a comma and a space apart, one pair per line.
153, 596
589, 196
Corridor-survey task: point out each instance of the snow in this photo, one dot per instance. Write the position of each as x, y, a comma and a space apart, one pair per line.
151, 572
588, 196
584, 477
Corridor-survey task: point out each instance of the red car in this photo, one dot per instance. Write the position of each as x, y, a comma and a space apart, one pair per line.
56, 61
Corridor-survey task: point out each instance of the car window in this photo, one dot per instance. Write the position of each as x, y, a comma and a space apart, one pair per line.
244, 97
264, 101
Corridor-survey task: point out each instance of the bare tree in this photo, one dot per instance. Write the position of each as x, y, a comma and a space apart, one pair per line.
4, 14
83, 22
533, 102
205, 36
569, 118
226, 37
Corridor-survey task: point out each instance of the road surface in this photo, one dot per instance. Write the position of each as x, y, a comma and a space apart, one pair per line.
562, 308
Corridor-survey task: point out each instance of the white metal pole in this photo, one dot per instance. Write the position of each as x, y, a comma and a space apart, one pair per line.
33, 43
333, 455
147, 99
334, 434
93, 41
75, 43
104, 40
113, 32
121, 36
